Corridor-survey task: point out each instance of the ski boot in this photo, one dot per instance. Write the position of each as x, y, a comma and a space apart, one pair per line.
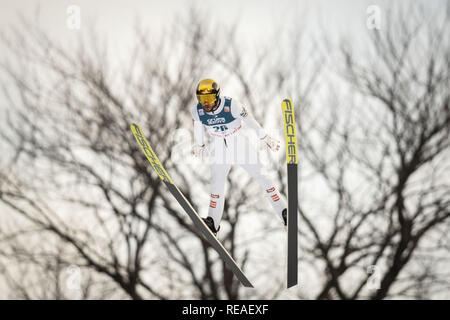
210, 223
284, 215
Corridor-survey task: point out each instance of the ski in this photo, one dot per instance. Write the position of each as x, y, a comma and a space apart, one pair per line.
178, 195
292, 161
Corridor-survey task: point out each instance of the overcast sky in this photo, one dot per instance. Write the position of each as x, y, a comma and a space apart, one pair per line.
257, 17
115, 19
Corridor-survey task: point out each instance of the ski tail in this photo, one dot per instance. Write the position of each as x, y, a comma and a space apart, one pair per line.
292, 160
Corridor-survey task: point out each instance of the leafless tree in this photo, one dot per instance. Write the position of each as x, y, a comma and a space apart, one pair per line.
373, 143
383, 156
44, 270
77, 178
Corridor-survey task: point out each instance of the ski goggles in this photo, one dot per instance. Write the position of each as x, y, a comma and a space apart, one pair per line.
207, 98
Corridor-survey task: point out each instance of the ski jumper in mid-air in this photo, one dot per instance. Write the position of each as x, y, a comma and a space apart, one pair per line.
222, 117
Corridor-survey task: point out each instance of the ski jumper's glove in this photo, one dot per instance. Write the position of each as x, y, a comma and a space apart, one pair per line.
198, 151
199, 148
272, 143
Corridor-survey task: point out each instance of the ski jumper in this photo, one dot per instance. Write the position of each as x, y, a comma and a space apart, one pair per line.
229, 146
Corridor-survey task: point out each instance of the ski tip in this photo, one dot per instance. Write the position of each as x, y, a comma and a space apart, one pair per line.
135, 127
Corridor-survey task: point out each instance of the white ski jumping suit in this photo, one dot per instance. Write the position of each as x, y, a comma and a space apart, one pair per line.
229, 146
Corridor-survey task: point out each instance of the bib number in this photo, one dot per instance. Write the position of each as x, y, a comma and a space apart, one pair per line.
220, 128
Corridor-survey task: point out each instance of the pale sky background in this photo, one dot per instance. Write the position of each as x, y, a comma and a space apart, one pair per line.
115, 19
257, 17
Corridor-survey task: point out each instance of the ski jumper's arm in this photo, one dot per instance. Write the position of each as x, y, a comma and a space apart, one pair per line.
238, 111
199, 138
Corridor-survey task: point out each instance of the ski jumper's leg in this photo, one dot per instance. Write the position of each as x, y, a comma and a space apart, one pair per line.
220, 168
255, 169
219, 173
273, 195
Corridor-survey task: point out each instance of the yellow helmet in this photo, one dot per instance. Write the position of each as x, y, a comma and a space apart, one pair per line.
208, 91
